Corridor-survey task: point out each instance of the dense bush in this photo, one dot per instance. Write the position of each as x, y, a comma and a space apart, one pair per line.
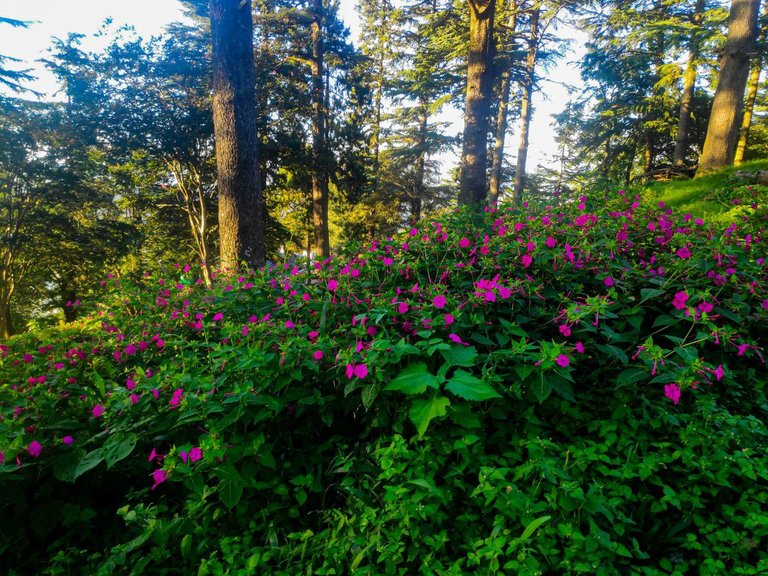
572, 391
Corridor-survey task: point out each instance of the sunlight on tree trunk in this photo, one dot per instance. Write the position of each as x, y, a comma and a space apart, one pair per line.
474, 157
724, 120
321, 246
241, 203
752, 86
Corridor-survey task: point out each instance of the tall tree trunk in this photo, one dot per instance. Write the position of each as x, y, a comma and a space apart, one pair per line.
497, 154
321, 246
474, 156
421, 146
752, 84
650, 151
241, 203
689, 88
527, 104
723, 129
377, 103
6, 293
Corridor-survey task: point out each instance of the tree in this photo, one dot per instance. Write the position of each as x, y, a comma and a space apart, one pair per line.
752, 86
724, 120
474, 156
321, 246
13, 78
242, 210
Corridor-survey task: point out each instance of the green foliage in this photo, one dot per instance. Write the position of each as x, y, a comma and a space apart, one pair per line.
569, 391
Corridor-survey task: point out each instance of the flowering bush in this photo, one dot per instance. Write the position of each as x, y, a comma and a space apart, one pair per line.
573, 390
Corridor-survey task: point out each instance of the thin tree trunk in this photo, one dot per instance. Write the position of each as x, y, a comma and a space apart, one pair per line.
650, 151
527, 104
421, 146
6, 293
497, 154
474, 156
377, 103
689, 88
321, 246
241, 203
724, 120
752, 85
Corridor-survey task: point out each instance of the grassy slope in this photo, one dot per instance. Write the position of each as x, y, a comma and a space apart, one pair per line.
710, 197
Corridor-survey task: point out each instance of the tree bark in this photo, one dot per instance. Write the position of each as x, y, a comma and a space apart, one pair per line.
752, 85
241, 203
724, 120
527, 104
689, 88
421, 147
474, 157
321, 247
497, 154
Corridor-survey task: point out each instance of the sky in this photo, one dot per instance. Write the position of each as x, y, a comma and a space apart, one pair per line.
57, 18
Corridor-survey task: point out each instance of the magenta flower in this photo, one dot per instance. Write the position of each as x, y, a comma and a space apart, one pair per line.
464, 243
195, 454
318, 355
159, 476
218, 316
2, 457
683, 253
68, 440
579, 347
680, 299
672, 391
34, 448
177, 396
98, 411
361, 371
350, 371
565, 330
562, 360
608, 281
134, 399
439, 301
719, 372
527, 260
130, 349
289, 324
130, 384
550, 242
332, 285
160, 343
449, 319
402, 307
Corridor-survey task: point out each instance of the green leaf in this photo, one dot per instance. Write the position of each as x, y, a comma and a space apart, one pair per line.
541, 389
369, 394
462, 415
414, 379
423, 411
230, 492
648, 293
118, 446
631, 376
533, 526
87, 462
469, 387
459, 355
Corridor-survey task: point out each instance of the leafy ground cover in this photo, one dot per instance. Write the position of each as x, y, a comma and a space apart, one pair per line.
577, 390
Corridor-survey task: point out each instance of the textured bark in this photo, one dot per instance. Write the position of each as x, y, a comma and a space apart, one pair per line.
649, 153
497, 154
724, 120
321, 247
689, 88
474, 156
752, 85
6, 321
527, 105
241, 203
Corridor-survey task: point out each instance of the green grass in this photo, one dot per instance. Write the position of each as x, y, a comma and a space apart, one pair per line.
710, 197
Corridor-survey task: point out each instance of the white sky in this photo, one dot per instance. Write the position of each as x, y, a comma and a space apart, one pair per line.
57, 18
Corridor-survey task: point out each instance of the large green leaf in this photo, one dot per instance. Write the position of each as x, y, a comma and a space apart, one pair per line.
424, 410
465, 385
230, 485
118, 446
459, 355
414, 379
87, 462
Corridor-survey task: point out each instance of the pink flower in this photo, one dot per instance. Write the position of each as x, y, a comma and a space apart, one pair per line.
565, 330
130, 349
160, 343
2, 457
159, 476
34, 448
289, 324
550, 242
683, 253
680, 299
195, 454
68, 440
350, 371
218, 316
439, 301
579, 347
705, 307
134, 399
562, 360
456, 338
719, 372
183, 455
176, 397
527, 260
152, 455
332, 285
672, 391
464, 243
130, 384
98, 411
318, 355
402, 307
608, 281
449, 319
361, 371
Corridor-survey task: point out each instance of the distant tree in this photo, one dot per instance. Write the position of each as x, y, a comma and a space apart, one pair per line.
242, 210
477, 110
724, 120
13, 78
